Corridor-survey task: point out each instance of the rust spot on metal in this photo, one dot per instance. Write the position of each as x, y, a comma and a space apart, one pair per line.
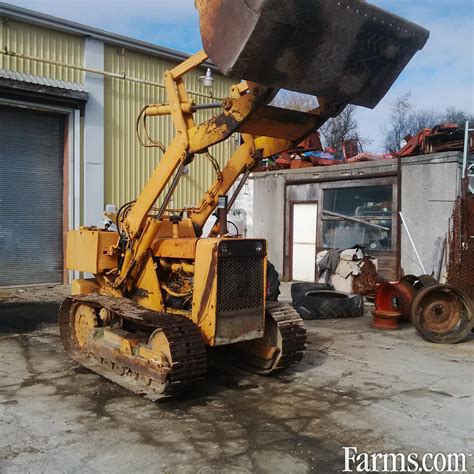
386, 320
282, 123
346, 50
442, 313
142, 293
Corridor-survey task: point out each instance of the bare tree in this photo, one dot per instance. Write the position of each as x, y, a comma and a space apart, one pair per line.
459, 117
398, 127
340, 128
406, 121
420, 119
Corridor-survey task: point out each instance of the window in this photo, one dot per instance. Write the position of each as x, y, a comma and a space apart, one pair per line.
371, 208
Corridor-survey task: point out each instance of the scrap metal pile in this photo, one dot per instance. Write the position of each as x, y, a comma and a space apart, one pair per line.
311, 152
441, 138
349, 270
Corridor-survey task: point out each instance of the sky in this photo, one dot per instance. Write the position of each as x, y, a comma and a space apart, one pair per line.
439, 76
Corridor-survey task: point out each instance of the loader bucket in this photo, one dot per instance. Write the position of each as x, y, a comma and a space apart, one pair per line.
347, 50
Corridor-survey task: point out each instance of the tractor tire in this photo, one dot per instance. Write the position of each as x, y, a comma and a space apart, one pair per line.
273, 283
298, 289
329, 304
418, 282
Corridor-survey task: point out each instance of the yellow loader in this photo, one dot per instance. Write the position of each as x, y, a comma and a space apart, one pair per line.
163, 293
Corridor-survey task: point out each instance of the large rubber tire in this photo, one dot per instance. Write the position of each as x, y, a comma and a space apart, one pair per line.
418, 282
329, 304
298, 289
273, 283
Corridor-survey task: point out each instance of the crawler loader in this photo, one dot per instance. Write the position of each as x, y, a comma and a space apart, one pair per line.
163, 294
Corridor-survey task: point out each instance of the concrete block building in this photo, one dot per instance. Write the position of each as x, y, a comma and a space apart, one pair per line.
296, 210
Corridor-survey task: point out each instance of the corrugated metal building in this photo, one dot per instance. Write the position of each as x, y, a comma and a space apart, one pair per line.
68, 144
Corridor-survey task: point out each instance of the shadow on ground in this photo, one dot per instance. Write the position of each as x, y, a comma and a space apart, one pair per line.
24, 318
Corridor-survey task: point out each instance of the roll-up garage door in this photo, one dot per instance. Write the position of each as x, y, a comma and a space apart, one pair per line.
31, 196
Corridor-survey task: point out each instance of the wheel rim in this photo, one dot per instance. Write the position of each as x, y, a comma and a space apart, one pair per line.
442, 313
404, 294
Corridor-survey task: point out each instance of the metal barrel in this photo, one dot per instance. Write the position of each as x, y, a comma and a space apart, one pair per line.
347, 50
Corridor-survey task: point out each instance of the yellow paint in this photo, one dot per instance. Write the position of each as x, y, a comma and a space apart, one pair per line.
84, 286
89, 250
182, 248
156, 247
271, 146
85, 321
148, 293
205, 289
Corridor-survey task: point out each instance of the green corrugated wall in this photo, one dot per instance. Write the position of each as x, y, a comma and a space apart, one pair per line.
43, 43
127, 164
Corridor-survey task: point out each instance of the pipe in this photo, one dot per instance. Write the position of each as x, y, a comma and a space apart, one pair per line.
171, 190
238, 189
466, 147
355, 219
399, 223
114, 75
176, 267
186, 107
412, 243
174, 293
211, 105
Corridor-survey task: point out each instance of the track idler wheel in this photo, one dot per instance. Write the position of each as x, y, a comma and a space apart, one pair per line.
442, 314
84, 321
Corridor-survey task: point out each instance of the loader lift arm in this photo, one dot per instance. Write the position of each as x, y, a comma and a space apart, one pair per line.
245, 111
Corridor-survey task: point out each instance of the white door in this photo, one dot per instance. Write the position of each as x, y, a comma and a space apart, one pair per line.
304, 241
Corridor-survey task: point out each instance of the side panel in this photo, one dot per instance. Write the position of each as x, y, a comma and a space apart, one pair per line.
87, 250
148, 293
229, 290
205, 289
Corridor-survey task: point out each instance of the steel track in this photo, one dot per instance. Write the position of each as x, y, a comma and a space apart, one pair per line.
187, 348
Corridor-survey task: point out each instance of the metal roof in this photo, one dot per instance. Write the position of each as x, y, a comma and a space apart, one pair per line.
52, 22
43, 81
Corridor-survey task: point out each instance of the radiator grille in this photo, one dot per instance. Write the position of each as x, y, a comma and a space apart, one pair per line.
240, 284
